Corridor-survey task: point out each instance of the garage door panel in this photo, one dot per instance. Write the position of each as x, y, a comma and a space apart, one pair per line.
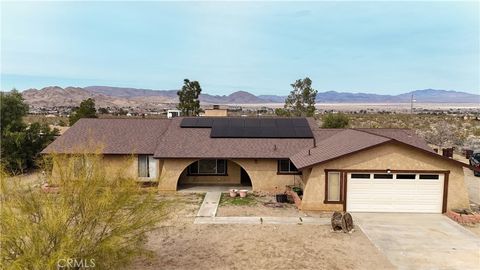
395, 195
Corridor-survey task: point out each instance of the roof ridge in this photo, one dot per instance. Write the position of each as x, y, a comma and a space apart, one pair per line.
371, 133
160, 136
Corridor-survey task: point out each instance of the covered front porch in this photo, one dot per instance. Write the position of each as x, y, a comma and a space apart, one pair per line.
211, 188
213, 175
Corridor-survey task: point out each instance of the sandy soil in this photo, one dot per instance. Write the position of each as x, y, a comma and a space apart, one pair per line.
260, 208
179, 244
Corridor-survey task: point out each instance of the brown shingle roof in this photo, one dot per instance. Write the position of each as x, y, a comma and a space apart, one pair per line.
407, 136
111, 136
180, 142
339, 143
166, 139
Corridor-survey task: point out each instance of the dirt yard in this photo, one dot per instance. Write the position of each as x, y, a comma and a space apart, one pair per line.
179, 244
255, 205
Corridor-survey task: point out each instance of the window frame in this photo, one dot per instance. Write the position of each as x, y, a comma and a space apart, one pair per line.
198, 173
290, 165
426, 177
148, 166
342, 177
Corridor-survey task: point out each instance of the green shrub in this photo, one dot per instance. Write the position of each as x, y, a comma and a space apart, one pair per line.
338, 120
93, 217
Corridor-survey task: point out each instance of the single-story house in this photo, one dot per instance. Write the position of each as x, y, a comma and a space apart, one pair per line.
364, 170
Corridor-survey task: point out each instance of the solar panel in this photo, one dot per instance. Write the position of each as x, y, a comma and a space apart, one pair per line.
284, 123
235, 132
204, 122
303, 132
188, 122
237, 122
221, 122
252, 132
300, 122
252, 122
251, 127
286, 132
267, 122
219, 132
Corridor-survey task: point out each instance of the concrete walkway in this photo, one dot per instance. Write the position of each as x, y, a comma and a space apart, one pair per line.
421, 241
210, 204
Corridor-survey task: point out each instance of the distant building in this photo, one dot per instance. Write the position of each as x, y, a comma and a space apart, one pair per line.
216, 111
173, 113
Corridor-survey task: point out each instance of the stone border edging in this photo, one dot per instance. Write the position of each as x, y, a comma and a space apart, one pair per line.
262, 220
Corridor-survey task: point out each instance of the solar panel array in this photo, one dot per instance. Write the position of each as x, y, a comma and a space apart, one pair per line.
251, 127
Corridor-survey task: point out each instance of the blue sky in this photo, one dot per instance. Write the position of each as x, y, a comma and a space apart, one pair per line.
260, 47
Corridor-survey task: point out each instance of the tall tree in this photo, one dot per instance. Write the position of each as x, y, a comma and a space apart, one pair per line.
301, 101
12, 110
86, 110
188, 98
20, 143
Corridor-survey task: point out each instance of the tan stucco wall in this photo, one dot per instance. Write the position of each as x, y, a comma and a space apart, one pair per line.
262, 173
126, 165
216, 112
232, 177
389, 156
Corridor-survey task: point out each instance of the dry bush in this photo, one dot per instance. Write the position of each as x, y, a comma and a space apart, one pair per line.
93, 217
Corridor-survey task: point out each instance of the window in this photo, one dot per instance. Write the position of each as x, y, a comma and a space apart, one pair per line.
286, 166
406, 176
208, 167
82, 166
333, 186
429, 176
383, 176
143, 166
361, 175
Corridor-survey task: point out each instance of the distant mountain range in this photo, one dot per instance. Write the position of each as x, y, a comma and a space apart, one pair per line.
123, 97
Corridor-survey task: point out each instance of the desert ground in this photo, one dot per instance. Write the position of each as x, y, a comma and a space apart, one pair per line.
180, 244
393, 107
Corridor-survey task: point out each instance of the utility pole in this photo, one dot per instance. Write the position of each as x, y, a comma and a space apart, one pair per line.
411, 104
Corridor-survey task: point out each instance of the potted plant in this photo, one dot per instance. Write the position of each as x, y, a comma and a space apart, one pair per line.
298, 190
243, 193
233, 193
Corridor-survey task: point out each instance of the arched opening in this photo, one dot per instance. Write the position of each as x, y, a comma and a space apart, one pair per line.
221, 173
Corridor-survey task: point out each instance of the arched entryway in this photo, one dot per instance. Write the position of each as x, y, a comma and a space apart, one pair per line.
214, 172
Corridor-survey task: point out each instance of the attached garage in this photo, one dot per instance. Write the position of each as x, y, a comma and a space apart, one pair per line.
409, 192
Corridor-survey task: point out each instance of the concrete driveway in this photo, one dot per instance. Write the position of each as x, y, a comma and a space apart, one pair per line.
421, 241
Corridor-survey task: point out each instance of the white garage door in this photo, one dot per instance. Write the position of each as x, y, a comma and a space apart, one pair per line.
396, 192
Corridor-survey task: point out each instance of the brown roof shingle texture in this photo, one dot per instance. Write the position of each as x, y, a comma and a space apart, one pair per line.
180, 142
111, 136
339, 143
166, 139
407, 136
